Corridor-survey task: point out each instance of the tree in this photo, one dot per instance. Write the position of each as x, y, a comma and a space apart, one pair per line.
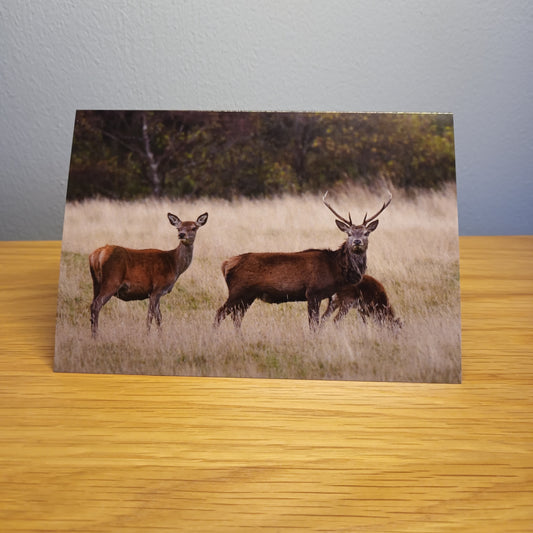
134, 154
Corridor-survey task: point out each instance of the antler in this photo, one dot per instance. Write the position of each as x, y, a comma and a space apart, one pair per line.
383, 207
335, 212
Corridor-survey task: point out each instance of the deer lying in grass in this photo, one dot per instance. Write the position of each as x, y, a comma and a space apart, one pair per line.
310, 275
368, 297
132, 274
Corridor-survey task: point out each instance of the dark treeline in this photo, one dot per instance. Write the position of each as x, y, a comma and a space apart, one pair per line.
134, 154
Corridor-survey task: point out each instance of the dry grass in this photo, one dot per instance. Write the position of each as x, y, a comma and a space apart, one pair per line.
414, 253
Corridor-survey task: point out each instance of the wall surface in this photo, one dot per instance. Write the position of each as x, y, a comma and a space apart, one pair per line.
470, 58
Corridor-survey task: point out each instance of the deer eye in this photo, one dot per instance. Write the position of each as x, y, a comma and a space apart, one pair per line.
367, 233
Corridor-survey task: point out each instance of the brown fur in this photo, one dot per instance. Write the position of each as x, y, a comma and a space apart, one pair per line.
310, 275
130, 274
368, 297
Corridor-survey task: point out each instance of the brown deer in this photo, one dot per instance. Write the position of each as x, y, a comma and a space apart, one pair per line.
132, 274
368, 297
310, 275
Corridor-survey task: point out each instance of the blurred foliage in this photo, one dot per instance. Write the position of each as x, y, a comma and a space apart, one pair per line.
134, 154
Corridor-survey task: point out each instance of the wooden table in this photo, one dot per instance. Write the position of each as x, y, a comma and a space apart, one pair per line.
134, 453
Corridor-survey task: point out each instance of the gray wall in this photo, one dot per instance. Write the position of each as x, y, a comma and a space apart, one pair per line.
472, 58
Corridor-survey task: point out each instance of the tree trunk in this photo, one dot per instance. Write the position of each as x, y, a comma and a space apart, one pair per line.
153, 165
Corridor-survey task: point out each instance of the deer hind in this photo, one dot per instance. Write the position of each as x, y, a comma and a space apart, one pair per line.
310, 275
368, 297
130, 274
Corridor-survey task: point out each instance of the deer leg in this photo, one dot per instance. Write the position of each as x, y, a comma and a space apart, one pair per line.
332, 306
96, 305
313, 312
153, 311
222, 313
378, 312
96, 283
235, 307
95, 311
364, 309
387, 317
345, 305
238, 312
158, 317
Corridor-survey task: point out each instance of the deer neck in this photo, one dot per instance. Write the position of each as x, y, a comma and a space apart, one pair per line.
183, 256
353, 265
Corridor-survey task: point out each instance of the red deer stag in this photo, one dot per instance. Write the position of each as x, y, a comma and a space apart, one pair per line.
368, 297
310, 275
132, 274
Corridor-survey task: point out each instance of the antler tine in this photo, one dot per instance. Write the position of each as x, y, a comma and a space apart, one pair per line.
383, 207
335, 212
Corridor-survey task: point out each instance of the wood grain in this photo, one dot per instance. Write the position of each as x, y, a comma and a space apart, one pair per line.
134, 453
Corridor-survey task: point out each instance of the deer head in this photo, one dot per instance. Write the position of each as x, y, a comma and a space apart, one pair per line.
357, 241
187, 230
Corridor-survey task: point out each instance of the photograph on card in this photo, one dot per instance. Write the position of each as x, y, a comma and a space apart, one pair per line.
283, 245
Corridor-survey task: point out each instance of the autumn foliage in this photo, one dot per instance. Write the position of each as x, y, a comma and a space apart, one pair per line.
136, 154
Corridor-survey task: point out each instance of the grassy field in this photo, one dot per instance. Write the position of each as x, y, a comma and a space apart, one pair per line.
414, 253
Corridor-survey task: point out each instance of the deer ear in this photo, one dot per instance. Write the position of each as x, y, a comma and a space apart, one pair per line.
174, 220
343, 226
202, 219
372, 226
